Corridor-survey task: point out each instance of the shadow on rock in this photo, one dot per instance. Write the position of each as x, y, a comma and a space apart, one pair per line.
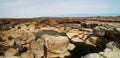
82, 49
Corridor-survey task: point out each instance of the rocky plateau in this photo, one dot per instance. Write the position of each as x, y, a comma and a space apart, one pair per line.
54, 37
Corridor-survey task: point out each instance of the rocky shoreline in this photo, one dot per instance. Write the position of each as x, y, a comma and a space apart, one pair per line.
84, 37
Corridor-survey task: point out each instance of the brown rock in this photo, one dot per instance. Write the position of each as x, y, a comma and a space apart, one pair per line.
56, 44
27, 54
10, 52
37, 48
8, 43
77, 39
92, 40
19, 42
99, 31
72, 33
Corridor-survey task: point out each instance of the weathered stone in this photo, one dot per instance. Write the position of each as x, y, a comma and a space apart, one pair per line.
56, 44
111, 51
85, 37
37, 48
81, 36
19, 42
93, 40
72, 33
99, 31
88, 42
10, 52
29, 40
11, 57
27, 54
8, 43
77, 39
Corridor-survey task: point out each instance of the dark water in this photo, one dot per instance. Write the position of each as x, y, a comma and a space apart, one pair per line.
50, 32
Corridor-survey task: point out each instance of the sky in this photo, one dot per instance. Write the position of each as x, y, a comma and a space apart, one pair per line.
58, 8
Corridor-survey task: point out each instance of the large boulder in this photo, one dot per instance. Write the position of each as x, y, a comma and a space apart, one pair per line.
111, 51
27, 54
56, 44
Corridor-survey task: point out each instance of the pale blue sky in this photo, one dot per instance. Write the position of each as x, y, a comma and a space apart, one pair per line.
58, 8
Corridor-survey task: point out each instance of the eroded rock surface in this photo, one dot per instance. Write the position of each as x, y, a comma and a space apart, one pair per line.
86, 37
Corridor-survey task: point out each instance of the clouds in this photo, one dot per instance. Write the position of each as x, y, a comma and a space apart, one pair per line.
39, 8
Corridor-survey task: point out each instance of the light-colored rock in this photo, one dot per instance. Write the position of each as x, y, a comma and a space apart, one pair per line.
99, 31
85, 37
8, 43
11, 57
27, 54
118, 29
10, 52
81, 36
88, 42
71, 46
77, 39
72, 33
37, 48
19, 42
56, 44
29, 40
92, 40
111, 51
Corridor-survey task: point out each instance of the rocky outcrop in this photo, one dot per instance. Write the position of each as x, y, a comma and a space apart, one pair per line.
61, 37
110, 52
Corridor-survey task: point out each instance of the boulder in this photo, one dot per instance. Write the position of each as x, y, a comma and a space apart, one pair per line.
11, 52
28, 37
27, 54
96, 41
72, 33
92, 40
99, 31
37, 48
56, 44
19, 41
111, 51
8, 42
